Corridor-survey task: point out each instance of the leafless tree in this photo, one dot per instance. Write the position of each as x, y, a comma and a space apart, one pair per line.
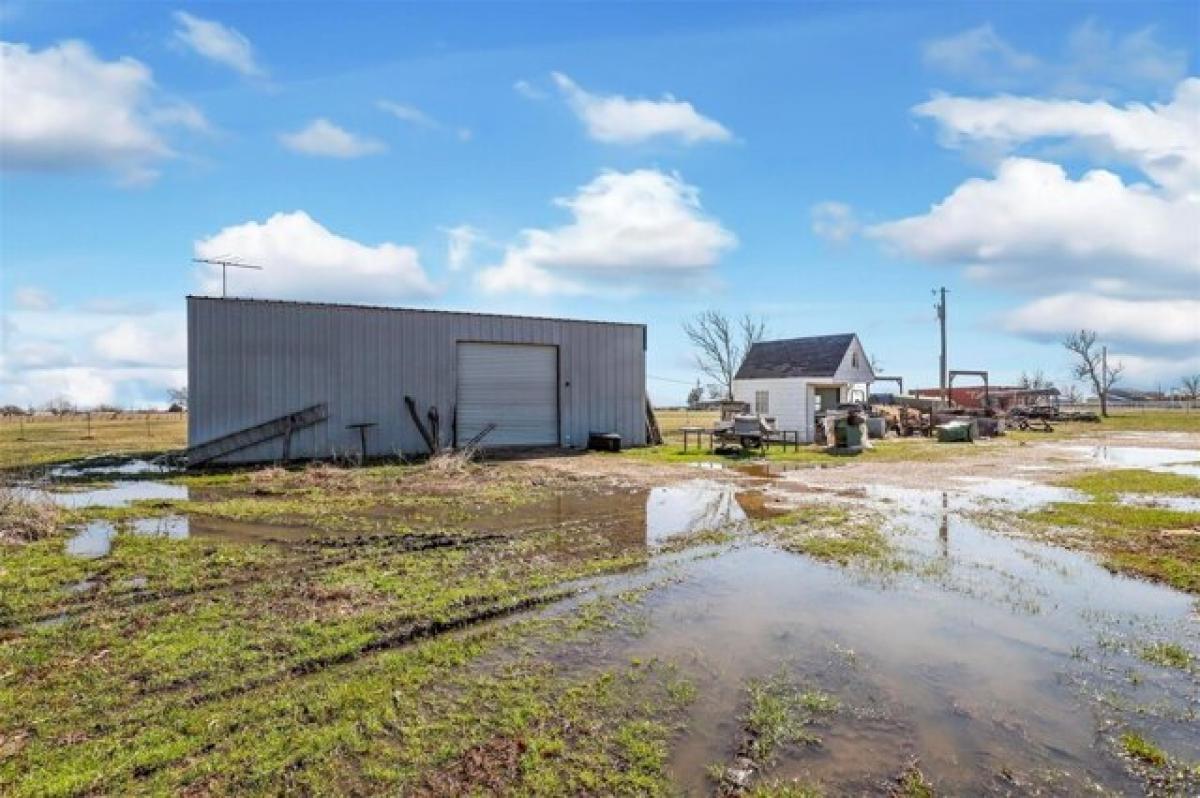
721, 344
60, 406
178, 397
1035, 382
1191, 386
1089, 365
1071, 395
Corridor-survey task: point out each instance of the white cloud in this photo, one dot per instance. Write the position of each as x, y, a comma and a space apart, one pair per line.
133, 342
407, 113
529, 91
324, 138
1162, 140
977, 53
415, 116
1032, 222
1140, 370
1157, 322
32, 298
617, 119
301, 259
69, 110
834, 221
91, 358
640, 224
218, 43
1094, 62
460, 245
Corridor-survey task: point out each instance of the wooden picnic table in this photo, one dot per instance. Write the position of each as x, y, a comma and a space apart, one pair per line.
699, 432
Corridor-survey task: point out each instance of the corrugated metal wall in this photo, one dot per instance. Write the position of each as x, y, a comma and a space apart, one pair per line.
253, 360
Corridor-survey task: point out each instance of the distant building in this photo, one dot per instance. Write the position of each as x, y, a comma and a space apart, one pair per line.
796, 378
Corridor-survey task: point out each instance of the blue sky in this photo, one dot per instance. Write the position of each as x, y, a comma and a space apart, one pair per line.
823, 165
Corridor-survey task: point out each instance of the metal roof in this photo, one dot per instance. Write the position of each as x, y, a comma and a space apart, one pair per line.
350, 306
814, 356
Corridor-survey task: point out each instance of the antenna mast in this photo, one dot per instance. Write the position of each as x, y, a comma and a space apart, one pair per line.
225, 263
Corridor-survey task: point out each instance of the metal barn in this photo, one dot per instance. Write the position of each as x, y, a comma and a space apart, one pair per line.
272, 380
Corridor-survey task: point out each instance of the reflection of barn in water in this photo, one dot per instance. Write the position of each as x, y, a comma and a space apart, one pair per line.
575, 524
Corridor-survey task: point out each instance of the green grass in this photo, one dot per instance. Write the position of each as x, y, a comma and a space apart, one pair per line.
1166, 654
833, 534
1107, 485
207, 666
1153, 542
779, 713
1137, 747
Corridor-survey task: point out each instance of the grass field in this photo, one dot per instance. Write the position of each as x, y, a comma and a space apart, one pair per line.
392, 648
29, 442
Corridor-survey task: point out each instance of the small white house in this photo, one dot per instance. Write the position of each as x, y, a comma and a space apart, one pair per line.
794, 379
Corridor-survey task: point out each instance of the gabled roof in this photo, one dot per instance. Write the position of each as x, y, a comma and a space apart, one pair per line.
815, 356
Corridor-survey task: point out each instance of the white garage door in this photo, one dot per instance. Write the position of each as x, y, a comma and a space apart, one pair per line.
515, 387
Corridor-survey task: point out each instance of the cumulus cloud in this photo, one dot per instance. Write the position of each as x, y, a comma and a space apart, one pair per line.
625, 226
1160, 323
218, 43
1161, 139
1033, 222
79, 112
91, 358
301, 259
323, 138
834, 221
620, 120
1094, 62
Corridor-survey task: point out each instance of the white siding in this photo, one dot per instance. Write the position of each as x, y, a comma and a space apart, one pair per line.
791, 402
848, 371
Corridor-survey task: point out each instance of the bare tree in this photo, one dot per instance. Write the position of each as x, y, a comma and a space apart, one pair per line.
1035, 382
695, 395
722, 343
1071, 395
1090, 365
1191, 386
178, 397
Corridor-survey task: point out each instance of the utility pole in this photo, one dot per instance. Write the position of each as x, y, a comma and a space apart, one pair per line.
941, 315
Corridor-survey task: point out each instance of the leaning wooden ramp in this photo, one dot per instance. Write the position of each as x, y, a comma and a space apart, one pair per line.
243, 439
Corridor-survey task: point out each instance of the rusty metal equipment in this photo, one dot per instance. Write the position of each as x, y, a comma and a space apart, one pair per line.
968, 373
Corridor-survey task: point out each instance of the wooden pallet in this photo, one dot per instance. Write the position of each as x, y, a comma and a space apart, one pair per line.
283, 426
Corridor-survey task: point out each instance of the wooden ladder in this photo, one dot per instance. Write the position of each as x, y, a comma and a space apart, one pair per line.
245, 438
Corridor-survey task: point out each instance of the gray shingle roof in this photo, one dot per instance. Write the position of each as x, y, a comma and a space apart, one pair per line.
815, 356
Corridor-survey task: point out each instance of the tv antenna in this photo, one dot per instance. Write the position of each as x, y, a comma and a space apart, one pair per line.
225, 263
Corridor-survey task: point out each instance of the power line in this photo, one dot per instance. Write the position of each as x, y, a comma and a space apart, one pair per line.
668, 379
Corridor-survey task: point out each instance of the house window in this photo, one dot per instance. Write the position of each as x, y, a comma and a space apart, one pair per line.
854, 359
762, 403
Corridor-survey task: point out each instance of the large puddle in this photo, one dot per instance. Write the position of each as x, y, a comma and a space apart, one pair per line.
997, 663
1176, 461
1000, 664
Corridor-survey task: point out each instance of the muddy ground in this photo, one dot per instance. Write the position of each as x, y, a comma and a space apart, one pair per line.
1015, 618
